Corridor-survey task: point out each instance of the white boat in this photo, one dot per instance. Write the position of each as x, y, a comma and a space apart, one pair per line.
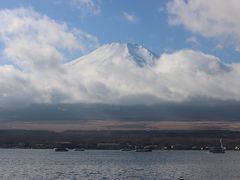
218, 149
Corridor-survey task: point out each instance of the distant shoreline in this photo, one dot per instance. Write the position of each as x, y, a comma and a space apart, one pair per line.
168, 139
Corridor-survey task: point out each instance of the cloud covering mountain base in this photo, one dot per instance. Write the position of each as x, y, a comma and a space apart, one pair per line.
125, 74
34, 70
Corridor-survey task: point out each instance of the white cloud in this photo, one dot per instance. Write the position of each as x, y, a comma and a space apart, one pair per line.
237, 49
216, 19
130, 17
35, 41
190, 75
193, 40
36, 46
219, 47
87, 7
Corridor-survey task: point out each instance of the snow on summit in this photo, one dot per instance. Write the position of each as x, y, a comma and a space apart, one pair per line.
119, 53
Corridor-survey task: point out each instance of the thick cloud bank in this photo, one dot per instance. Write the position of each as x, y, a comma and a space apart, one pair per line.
33, 69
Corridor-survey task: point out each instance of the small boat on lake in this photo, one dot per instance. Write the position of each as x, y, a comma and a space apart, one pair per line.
218, 149
60, 149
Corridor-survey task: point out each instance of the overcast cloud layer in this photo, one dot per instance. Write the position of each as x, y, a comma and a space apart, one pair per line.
33, 67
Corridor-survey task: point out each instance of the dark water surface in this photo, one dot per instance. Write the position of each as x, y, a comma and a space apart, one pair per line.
97, 164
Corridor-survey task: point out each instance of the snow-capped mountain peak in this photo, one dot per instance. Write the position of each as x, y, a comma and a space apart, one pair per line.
118, 53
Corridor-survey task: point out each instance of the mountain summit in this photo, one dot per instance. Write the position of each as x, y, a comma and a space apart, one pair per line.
119, 53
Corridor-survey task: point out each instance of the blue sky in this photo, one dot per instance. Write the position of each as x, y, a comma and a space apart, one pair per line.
149, 26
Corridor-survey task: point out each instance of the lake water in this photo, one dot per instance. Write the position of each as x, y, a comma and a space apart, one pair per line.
97, 164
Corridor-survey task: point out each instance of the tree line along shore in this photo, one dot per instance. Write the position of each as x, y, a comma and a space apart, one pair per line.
164, 140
